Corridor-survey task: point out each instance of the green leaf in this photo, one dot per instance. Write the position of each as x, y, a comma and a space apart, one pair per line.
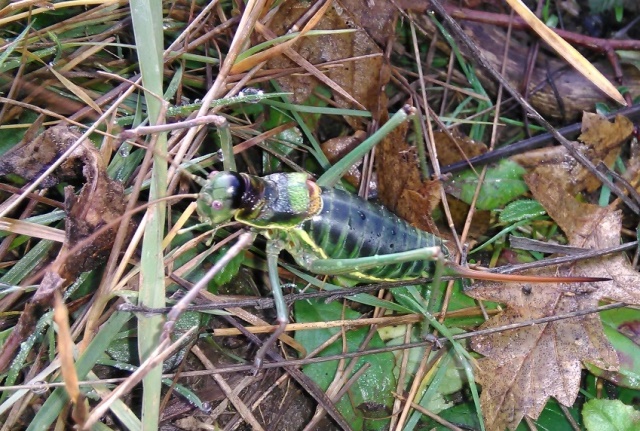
610, 415
522, 209
8, 50
230, 270
554, 417
502, 184
618, 327
367, 405
619, 12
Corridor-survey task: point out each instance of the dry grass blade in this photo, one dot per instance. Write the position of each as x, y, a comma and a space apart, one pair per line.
75, 89
34, 230
67, 367
248, 63
568, 52
47, 7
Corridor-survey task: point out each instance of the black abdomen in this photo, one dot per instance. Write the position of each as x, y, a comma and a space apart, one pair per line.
350, 227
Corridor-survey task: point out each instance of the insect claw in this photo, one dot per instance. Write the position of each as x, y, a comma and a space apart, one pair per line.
267, 345
257, 366
167, 329
434, 340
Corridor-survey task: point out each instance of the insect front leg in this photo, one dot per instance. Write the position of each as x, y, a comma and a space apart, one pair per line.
282, 311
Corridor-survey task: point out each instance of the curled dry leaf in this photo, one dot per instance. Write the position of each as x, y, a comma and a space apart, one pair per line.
523, 367
100, 202
31, 158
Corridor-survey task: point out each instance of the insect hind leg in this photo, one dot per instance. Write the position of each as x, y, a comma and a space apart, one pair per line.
346, 266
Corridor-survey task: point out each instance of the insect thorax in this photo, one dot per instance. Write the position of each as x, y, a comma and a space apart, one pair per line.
285, 201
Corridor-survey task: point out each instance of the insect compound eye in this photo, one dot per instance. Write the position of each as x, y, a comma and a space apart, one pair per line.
217, 205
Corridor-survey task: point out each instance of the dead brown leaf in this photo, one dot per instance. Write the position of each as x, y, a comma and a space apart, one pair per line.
100, 202
67, 362
454, 146
284, 47
353, 61
591, 227
400, 184
602, 141
522, 368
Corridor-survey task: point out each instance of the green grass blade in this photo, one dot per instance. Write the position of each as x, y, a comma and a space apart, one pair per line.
13, 45
58, 398
148, 30
332, 176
